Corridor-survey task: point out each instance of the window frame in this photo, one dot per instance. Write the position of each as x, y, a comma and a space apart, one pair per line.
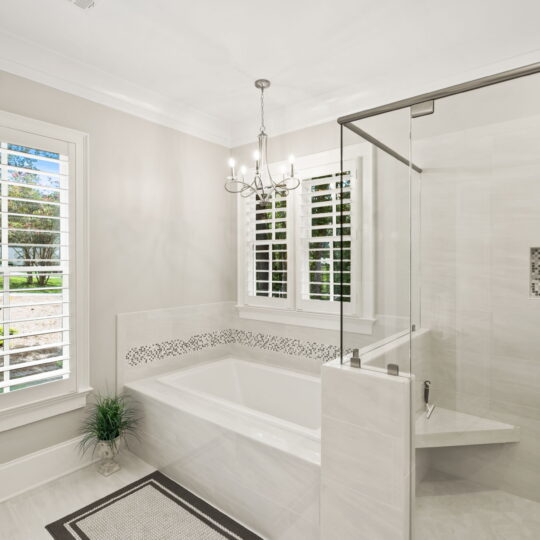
55, 397
359, 317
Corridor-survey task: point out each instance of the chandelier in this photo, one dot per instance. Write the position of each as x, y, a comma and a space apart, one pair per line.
262, 184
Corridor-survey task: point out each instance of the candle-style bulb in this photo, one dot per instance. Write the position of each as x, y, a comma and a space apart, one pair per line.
243, 170
291, 159
256, 155
232, 163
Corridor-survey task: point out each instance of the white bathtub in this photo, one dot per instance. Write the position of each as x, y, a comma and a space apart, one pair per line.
242, 435
284, 398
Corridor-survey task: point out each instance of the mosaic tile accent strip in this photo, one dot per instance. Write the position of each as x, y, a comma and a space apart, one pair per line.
147, 354
285, 345
534, 290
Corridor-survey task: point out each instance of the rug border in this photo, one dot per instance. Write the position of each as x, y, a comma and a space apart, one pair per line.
58, 530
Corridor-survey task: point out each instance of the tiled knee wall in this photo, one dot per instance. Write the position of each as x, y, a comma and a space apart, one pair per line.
365, 454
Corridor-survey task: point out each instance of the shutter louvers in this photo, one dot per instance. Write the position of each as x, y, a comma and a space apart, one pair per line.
267, 246
326, 215
34, 274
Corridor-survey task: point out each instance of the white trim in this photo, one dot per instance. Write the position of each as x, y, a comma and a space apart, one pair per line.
325, 321
314, 166
38, 402
42, 408
41, 467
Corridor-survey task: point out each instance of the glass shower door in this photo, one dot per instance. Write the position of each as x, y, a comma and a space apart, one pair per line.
478, 253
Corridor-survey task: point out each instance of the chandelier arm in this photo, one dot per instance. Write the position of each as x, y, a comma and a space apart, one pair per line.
236, 186
296, 185
263, 192
248, 192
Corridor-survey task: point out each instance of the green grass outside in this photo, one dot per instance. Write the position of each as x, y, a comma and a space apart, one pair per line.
19, 282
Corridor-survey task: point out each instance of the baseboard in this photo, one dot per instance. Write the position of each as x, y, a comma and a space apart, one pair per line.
40, 467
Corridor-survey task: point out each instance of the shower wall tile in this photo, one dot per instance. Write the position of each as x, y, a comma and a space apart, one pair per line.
360, 460
365, 454
346, 515
345, 389
158, 340
480, 280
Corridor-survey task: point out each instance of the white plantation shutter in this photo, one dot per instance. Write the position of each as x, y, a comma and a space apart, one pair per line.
329, 219
295, 253
35, 266
267, 249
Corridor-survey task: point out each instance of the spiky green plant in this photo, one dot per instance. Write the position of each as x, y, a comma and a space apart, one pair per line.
109, 418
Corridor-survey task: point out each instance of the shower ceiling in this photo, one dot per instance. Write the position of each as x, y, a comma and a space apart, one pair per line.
191, 64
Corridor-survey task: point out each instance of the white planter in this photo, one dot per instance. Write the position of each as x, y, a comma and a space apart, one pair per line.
107, 452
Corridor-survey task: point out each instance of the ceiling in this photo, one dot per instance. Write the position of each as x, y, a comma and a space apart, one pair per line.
467, 119
191, 65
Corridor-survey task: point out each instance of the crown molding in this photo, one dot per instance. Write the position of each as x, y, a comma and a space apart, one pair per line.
32, 61
28, 59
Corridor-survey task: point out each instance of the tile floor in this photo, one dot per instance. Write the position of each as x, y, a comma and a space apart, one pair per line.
448, 508
24, 517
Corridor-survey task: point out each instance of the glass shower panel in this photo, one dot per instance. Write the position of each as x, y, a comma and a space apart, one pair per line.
376, 321
476, 261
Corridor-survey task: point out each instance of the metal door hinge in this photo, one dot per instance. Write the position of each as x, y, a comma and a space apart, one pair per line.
392, 369
422, 109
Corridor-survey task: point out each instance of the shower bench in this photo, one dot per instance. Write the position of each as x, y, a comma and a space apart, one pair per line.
446, 427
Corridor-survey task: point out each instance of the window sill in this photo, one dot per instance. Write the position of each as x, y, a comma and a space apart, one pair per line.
325, 321
44, 408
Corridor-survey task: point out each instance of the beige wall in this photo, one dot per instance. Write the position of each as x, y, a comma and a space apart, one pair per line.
300, 143
162, 230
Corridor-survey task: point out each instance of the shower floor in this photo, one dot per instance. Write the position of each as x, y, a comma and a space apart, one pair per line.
449, 508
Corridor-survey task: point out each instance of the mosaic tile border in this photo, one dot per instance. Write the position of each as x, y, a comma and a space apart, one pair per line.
147, 354
534, 288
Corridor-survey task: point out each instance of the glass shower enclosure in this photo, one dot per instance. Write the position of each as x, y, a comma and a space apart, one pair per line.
456, 296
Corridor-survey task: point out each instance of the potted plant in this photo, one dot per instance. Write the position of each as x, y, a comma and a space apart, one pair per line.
109, 421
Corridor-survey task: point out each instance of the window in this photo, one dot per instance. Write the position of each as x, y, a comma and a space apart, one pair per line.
267, 236
43, 335
324, 204
290, 251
